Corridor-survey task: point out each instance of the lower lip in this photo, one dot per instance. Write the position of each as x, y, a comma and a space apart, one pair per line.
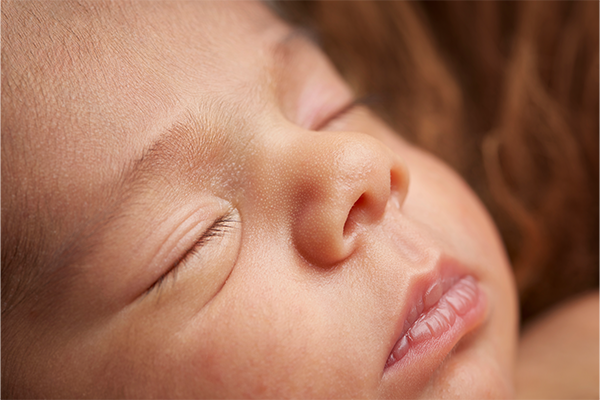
437, 330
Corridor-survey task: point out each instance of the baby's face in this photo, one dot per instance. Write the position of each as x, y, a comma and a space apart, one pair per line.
226, 224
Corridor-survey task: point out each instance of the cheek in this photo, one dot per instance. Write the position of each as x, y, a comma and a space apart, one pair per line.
256, 338
276, 341
440, 200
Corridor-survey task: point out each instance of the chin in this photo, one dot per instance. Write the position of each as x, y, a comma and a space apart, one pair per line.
472, 375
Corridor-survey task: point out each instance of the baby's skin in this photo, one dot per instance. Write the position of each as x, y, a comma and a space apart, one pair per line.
211, 214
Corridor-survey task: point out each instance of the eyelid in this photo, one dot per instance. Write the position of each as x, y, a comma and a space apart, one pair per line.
219, 228
365, 100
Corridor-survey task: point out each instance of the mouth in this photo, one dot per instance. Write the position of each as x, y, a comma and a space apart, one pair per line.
448, 309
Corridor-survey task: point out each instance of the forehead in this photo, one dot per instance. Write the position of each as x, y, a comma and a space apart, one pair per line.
91, 84
114, 66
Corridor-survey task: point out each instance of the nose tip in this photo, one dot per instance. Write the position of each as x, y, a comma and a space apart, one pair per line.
344, 186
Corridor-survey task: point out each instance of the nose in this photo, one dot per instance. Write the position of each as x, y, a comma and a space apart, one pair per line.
340, 184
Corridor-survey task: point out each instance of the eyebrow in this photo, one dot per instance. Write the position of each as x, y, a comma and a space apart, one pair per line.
197, 131
188, 140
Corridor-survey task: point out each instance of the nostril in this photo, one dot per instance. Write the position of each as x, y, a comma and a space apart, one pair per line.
366, 209
399, 179
355, 213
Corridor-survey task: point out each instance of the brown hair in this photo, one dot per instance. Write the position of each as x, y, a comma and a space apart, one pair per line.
507, 94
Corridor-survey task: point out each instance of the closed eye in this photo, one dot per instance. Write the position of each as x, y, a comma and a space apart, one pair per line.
219, 228
365, 100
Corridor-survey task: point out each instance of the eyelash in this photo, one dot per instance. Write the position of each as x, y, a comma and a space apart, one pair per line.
218, 229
